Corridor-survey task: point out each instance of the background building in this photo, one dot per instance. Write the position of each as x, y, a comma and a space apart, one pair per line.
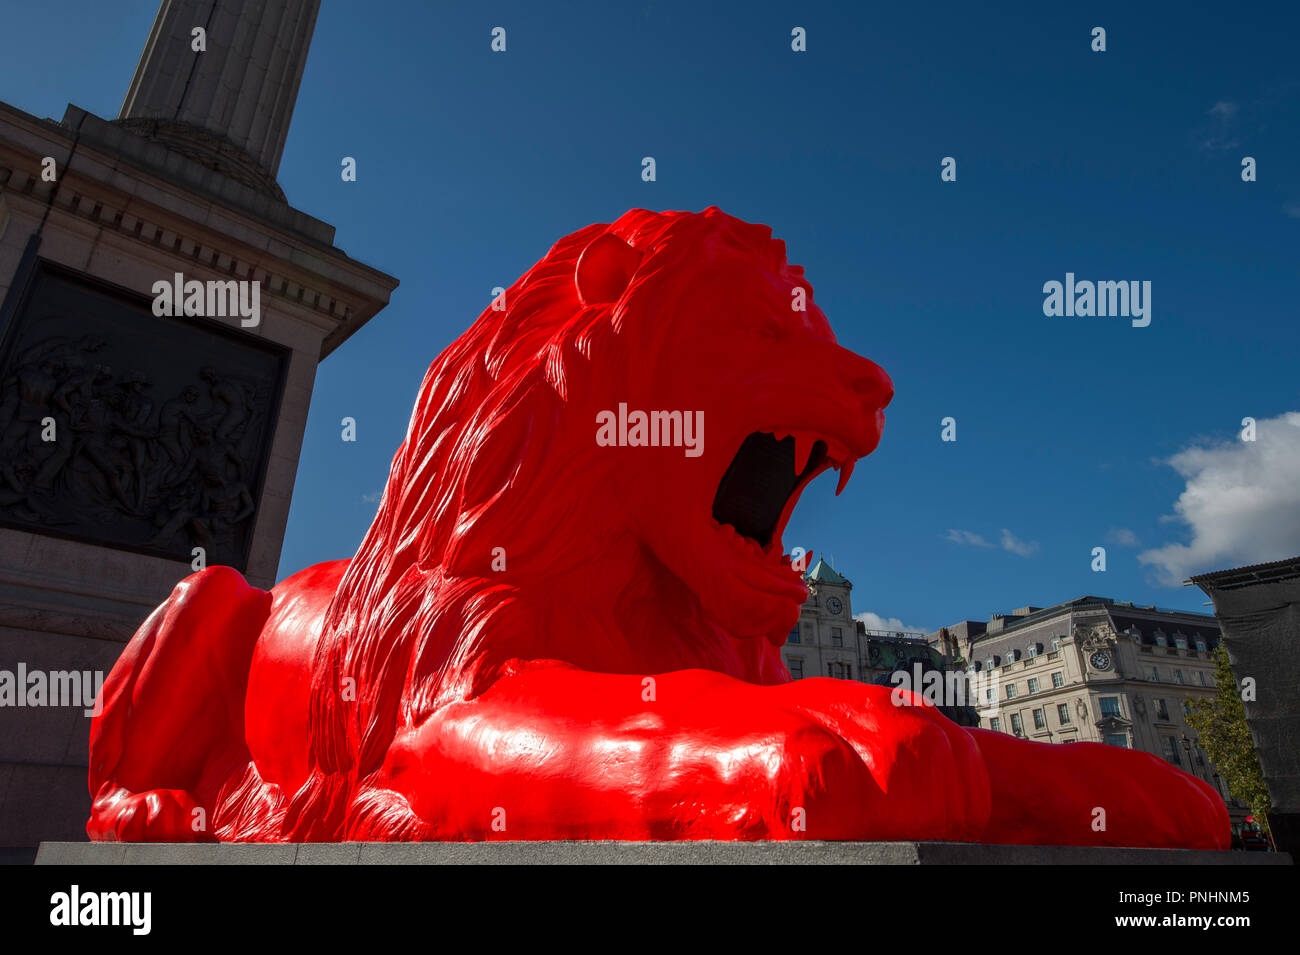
1094, 670
825, 642
828, 641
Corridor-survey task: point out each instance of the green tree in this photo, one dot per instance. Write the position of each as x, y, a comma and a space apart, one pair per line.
1221, 721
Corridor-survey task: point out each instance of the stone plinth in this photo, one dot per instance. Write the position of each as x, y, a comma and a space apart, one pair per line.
123, 212
628, 853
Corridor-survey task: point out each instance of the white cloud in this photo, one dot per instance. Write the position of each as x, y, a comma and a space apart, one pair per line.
1009, 541
1122, 537
1241, 503
966, 537
1014, 544
874, 621
1292, 209
1218, 132
372, 498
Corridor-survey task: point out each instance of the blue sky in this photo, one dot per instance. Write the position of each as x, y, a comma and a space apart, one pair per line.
1072, 433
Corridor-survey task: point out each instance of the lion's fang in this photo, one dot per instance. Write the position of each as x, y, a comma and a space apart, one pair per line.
846, 472
803, 449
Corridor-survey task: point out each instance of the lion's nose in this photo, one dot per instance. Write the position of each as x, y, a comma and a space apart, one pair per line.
868, 380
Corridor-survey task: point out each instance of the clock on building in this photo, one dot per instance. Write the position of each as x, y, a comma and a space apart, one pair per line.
834, 605
1100, 660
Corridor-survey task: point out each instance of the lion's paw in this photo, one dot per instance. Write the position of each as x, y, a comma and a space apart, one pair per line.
159, 815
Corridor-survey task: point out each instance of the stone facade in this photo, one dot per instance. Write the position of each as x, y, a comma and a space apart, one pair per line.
1093, 670
1258, 609
828, 641
825, 641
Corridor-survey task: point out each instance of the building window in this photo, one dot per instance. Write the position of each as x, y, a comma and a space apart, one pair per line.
837, 636
1033, 685
1204, 682
1056, 644
1016, 726
996, 724
1154, 674
1058, 680
1200, 645
1162, 710
1040, 721
1011, 691
1063, 714
1031, 651
1109, 706
1171, 749
810, 632
1178, 675
989, 664
988, 696
796, 669
1116, 739
1187, 707
1160, 639
794, 634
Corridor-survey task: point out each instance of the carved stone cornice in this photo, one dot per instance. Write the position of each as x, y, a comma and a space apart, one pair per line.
118, 181
1094, 637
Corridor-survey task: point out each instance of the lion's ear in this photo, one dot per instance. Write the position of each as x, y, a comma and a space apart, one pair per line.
604, 269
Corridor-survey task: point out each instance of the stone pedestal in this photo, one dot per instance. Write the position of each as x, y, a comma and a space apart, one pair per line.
629, 853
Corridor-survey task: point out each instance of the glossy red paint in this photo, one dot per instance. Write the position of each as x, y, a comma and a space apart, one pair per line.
547, 637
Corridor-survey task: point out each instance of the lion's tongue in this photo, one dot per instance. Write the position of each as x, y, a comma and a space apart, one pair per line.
753, 492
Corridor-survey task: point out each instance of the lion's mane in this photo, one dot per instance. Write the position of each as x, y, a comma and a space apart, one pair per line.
420, 617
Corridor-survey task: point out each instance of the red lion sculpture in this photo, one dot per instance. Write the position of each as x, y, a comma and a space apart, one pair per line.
565, 620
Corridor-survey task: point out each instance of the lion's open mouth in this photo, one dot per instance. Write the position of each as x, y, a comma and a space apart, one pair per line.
763, 481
